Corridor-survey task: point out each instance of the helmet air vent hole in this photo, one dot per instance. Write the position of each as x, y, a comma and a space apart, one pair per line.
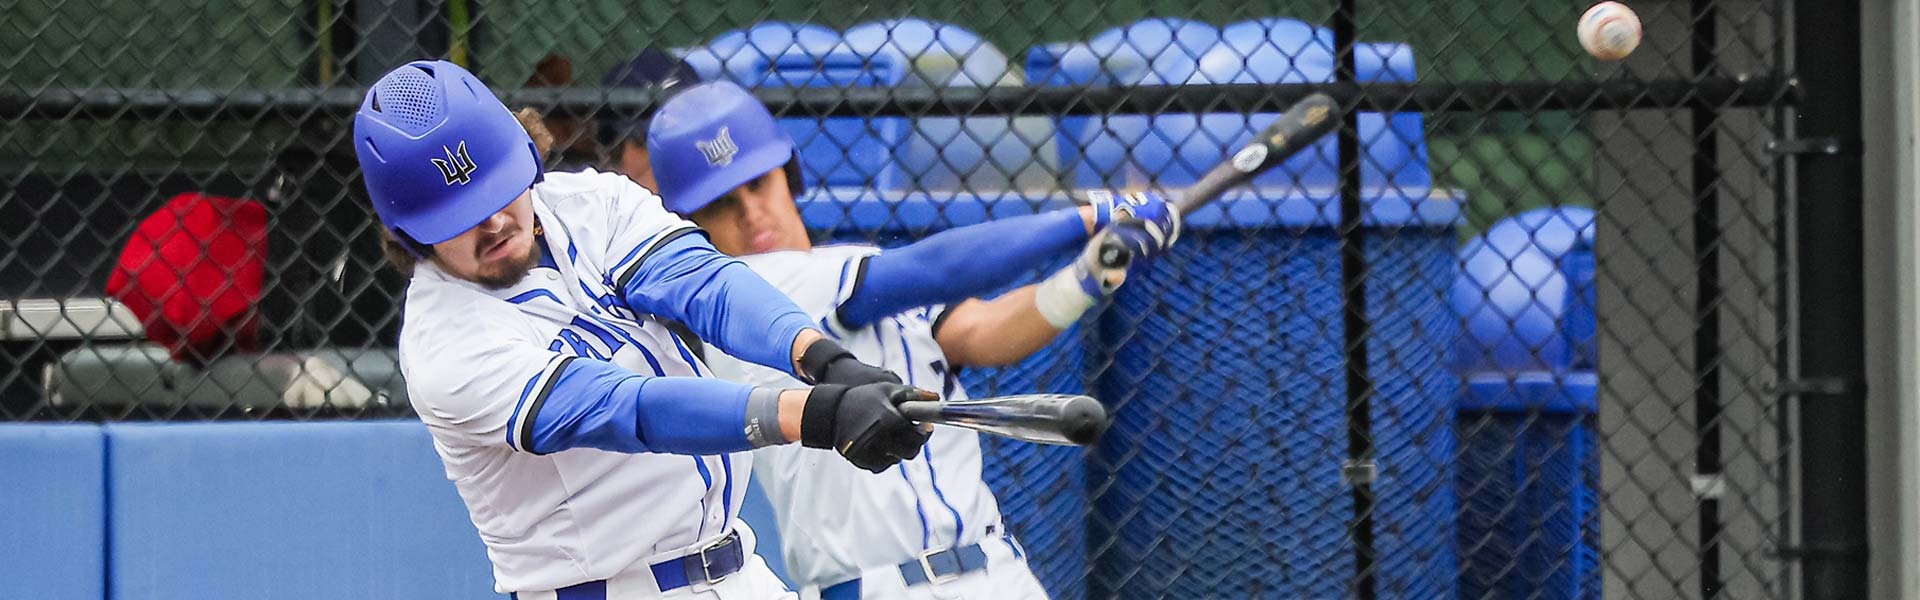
412, 99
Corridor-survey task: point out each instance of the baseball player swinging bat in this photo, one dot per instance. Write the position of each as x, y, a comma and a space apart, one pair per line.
1302, 125
1079, 420
1059, 419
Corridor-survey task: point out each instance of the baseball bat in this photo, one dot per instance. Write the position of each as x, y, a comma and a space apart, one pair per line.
1059, 419
1298, 128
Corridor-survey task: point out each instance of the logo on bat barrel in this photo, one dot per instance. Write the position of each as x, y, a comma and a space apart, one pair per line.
1249, 158
1315, 115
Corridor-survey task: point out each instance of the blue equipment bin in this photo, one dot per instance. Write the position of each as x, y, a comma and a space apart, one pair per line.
1042, 489
834, 151
1525, 294
958, 153
1528, 478
1173, 150
1529, 467
1221, 475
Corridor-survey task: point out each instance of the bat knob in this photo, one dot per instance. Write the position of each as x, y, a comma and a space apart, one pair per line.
1082, 420
1113, 253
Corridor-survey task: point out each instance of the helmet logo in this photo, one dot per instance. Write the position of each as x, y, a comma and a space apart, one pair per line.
720, 151
458, 167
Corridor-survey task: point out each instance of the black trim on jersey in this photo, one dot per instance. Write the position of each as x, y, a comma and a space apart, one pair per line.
938, 321
530, 420
688, 337
621, 282
859, 279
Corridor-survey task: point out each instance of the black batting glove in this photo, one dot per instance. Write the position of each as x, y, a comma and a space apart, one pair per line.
826, 362
862, 423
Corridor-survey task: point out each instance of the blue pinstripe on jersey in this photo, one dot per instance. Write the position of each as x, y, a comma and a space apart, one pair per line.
926, 532
700, 462
687, 355
959, 525
926, 449
726, 498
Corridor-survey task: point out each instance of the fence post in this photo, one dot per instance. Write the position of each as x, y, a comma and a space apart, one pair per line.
1708, 480
1356, 330
1831, 310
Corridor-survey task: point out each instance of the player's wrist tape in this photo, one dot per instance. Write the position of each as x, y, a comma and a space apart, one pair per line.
1063, 297
819, 355
816, 419
763, 418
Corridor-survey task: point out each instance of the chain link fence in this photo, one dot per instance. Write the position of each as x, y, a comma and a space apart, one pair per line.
1512, 333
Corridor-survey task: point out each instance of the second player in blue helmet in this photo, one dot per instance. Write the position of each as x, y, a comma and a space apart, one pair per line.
928, 527
596, 454
734, 141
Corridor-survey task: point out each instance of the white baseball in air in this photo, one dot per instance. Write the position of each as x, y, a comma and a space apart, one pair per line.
1609, 31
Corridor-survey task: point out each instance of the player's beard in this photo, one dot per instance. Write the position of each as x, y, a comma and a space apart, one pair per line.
505, 273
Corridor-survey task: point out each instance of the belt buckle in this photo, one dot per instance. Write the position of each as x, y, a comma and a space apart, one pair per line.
934, 578
706, 565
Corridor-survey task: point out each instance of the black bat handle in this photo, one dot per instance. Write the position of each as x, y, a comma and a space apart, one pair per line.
1050, 419
1295, 130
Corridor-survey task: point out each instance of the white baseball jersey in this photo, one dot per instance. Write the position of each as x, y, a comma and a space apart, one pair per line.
836, 519
476, 359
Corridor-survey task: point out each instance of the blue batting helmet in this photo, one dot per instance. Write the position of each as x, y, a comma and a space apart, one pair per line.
711, 138
439, 152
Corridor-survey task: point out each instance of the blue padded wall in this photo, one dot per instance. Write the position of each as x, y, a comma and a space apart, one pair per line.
51, 514
287, 510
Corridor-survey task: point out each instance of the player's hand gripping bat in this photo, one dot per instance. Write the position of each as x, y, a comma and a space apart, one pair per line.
1302, 125
1040, 418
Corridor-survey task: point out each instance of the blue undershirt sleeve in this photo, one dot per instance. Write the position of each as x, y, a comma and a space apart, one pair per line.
595, 404
958, 263
722, 300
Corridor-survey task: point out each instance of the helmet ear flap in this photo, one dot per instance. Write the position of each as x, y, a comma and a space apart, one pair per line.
414, 247
539, 164
794, 183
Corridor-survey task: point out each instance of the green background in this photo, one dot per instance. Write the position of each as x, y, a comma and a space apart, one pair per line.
1506, 162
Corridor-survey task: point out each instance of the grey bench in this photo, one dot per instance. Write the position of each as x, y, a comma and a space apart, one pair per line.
144, 374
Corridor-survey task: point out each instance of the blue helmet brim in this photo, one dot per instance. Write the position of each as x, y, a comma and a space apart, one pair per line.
747, 166
500, 186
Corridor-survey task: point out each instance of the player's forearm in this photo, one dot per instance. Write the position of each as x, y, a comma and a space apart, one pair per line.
588, 403
997, 332
962, 263
721, 300
801, 342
